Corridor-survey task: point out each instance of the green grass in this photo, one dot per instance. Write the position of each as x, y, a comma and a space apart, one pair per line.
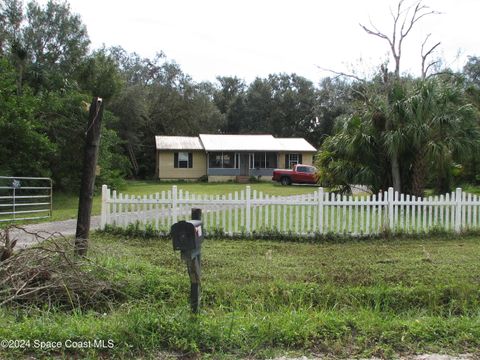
65, 206
471, 189
149, 187
266, 298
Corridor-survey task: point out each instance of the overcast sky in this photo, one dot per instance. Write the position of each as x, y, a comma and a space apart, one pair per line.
250, 38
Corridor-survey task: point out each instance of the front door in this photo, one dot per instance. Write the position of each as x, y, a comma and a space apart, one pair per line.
244, 164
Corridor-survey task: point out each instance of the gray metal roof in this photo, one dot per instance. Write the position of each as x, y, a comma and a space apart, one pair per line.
214, 142
296, 144
178, 143
239, 142
254, 143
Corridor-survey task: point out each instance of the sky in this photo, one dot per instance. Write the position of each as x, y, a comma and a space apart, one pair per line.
254, 38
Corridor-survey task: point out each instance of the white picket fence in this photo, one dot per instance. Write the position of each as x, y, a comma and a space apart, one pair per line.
249, 211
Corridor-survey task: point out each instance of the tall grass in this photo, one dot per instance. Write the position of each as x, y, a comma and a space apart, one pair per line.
264, 298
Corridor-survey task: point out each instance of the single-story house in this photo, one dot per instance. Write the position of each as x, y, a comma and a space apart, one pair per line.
227, 157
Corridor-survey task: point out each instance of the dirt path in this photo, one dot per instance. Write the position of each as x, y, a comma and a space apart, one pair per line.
65, 228
68, 227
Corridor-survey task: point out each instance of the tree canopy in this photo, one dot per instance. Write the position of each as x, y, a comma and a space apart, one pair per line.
391, 129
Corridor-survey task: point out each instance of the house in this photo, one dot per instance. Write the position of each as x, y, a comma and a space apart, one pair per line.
226, 157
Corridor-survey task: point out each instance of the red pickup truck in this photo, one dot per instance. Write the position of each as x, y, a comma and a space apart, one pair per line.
300, 174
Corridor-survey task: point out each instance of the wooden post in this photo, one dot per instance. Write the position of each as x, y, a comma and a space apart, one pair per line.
195, 271
196, 214
92, 144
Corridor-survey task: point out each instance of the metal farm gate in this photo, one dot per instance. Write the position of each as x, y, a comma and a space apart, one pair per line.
25, 198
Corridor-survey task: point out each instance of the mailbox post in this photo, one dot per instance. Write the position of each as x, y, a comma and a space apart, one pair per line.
187, 236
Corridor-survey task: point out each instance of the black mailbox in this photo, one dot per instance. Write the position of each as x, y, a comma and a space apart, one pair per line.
187, 235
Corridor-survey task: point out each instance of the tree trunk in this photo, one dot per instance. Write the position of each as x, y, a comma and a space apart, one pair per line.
419, 175
397, 183
19, 80
397, 66
443, 185
92, 145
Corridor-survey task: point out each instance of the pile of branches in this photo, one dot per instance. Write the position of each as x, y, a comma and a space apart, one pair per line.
49, 274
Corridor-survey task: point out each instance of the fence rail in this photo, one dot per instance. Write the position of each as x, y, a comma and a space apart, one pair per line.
321, 212
25, 198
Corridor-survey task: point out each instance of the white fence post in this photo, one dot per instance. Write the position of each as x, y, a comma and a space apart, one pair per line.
174, 204
320, 210
103, 216
248, 205
458, 210
390, 199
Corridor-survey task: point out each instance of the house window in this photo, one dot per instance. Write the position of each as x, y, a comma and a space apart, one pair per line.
263, 160
271, 160
228, 160
215, 160
292, 159
259, 160
182, 160
222, 160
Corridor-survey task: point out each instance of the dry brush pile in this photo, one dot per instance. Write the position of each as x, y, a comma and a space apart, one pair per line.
49, 274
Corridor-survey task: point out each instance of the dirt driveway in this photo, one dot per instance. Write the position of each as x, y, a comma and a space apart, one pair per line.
65, 228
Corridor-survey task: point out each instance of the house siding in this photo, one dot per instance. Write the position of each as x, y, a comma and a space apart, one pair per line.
166, 169
307, 158
223, 172
220, 178
236, 172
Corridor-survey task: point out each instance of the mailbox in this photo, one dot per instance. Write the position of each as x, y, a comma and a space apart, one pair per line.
187, 235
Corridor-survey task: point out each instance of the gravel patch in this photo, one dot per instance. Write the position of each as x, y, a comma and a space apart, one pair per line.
59, 228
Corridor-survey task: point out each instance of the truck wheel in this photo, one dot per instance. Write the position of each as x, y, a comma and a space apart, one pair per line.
286, 180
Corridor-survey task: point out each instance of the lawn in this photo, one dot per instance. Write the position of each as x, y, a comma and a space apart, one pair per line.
65, 205
264, 299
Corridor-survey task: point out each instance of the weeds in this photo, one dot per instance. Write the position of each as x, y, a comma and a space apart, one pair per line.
148, 231
49, 275
260, 298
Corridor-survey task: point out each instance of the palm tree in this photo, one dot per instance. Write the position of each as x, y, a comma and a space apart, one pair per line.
353, 155
393, 137
442, 128
403, 131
